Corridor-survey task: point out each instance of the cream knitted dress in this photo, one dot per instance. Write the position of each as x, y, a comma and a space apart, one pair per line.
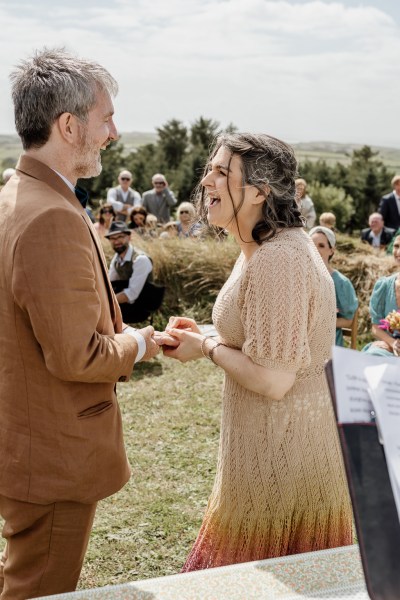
280, 486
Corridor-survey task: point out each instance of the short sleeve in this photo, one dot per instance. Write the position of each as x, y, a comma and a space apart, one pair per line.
274, 311
377, 305
346, 299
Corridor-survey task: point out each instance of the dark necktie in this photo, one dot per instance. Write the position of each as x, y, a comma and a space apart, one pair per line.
82, 196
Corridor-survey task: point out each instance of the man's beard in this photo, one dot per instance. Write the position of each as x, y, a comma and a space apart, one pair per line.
121, 249
87, 159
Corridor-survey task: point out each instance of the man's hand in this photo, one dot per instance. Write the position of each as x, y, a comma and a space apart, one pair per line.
152, 348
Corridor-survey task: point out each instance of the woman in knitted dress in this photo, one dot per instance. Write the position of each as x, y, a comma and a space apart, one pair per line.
280, 486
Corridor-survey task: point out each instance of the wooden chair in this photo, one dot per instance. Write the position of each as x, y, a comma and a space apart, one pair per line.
351, 332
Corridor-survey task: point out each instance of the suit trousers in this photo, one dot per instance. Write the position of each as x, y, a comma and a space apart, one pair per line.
45, 547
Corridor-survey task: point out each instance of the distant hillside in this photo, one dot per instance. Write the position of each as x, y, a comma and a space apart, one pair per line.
333, 152
10, 149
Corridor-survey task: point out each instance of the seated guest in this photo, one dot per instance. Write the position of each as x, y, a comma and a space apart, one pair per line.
377, 234
151, 226
130, 268
186, 215
328, 219
123, 197
384, 299
169, 230
160, 199
346, 299
138, 220
105, 217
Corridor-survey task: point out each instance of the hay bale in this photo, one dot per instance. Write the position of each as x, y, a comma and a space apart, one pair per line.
194, 271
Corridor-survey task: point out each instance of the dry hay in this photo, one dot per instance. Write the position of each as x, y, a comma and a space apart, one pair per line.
194, 271
363, 266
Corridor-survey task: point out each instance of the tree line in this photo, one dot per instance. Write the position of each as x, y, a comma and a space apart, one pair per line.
351, 191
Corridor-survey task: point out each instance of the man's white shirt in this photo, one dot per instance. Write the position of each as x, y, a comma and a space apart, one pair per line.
142, 267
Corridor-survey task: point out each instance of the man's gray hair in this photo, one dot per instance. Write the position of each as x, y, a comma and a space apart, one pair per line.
51, 83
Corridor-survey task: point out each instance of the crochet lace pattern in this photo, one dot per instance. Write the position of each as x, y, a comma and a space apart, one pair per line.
280, 486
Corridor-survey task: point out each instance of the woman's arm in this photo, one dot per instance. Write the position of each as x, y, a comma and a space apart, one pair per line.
256, 378
341, 322
383, 336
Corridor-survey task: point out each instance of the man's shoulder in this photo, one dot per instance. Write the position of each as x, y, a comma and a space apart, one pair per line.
389, 230
387, 196
365, 231
148, 193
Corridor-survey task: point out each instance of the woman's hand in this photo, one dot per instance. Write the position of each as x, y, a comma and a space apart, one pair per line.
189, 344
182, 323
162, 338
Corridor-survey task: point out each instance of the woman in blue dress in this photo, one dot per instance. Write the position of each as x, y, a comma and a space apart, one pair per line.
346, 299
384, 299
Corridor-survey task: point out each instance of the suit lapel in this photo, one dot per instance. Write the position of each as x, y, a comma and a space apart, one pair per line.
114, 307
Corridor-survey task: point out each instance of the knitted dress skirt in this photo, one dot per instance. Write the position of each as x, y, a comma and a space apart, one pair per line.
280, 486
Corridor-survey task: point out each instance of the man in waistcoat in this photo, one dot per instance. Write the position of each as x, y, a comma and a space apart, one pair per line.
129, 270
63, 345
123, 198
160, 199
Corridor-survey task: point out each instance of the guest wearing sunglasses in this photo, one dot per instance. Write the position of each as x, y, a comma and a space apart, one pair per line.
186, 216
160, 199
123, 198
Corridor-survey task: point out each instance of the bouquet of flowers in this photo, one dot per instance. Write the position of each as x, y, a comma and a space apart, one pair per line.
391, 323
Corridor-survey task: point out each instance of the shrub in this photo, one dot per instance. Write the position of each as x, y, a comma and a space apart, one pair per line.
328, 198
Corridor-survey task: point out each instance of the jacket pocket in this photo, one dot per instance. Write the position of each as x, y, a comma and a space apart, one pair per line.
95, 410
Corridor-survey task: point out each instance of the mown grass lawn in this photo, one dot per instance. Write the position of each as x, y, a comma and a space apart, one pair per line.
171, 416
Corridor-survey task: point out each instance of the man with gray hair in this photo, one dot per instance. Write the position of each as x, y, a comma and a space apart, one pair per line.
123, 198
160, 199
377, 235
63, 343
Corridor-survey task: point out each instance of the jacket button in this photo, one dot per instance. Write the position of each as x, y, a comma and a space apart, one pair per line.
123, 378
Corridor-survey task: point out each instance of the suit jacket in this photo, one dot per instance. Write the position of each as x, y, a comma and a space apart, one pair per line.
159, 204
386, 235
389, 211
61, 350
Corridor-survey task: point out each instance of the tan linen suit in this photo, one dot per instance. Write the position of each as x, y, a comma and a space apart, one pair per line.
61, 350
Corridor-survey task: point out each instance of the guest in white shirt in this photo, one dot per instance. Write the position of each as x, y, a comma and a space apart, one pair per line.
377, 235
123, 198
129, 270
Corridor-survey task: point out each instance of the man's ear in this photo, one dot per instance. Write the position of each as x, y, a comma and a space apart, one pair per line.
68, 126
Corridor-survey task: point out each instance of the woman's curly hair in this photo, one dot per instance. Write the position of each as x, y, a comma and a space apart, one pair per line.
271, 166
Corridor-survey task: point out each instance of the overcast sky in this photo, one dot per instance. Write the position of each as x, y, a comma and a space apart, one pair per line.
301, 70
